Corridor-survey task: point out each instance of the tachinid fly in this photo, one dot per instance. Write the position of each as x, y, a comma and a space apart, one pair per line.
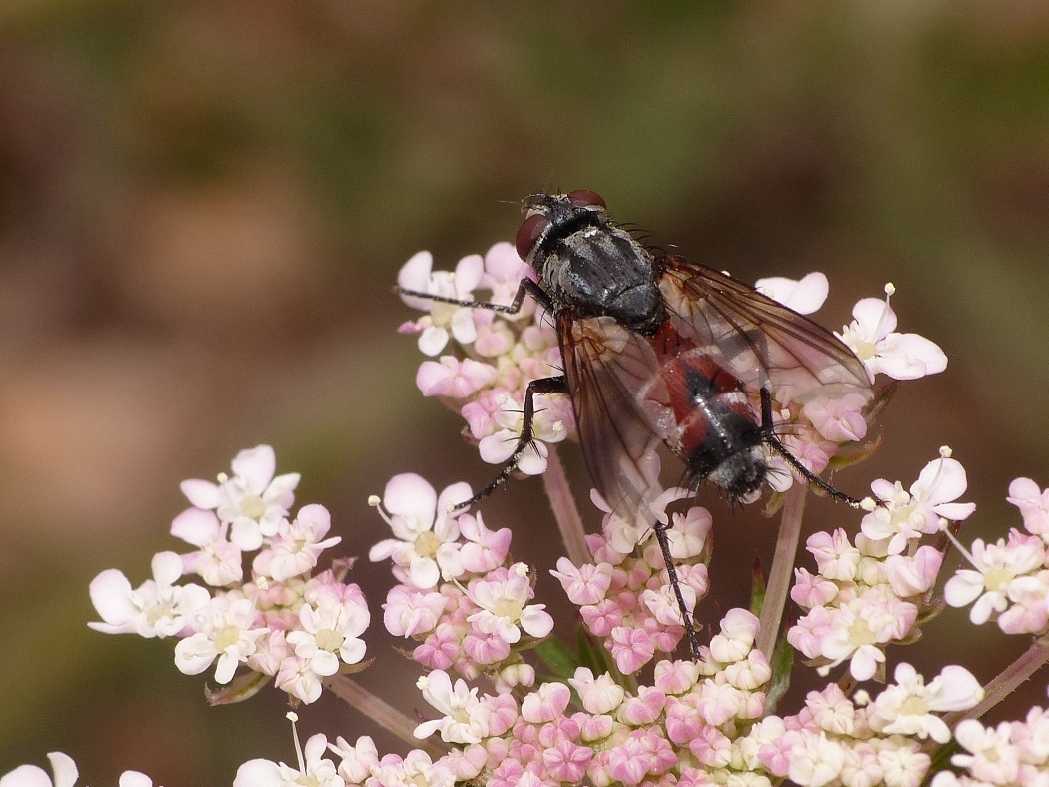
659, 350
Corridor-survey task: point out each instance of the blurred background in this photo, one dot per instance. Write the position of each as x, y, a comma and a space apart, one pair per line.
203, 206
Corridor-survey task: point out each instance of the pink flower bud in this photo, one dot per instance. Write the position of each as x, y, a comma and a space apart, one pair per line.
546, 704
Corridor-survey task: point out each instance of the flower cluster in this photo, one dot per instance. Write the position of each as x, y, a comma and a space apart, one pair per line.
873, 589
625, 598
458, 594
1012, 754
860, 742
697, 724
286, 622
486, 358
1009, 578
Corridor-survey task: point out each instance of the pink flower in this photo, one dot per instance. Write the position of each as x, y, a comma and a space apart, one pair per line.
631, 648
546, 703
454, 378
504, 608
408, 612
675, 677
839, 419
643, 709
297, 545
586, 584
913, 575
566, 762
811, 590
485, 549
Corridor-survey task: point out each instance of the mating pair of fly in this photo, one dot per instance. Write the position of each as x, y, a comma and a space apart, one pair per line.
659, 350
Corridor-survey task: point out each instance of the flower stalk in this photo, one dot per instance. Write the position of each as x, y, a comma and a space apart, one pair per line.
379, 711
1010, 679
782, 568
569, 522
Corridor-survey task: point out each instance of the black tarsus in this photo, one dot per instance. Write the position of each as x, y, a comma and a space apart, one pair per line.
770, 437
660, 529
546, 385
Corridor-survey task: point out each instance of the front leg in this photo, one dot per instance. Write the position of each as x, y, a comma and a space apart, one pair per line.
527, 286
770, 437
547, 385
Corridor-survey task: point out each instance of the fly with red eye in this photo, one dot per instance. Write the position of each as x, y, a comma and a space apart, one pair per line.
659, 351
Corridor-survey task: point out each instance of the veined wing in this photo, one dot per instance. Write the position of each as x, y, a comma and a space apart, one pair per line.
759, 341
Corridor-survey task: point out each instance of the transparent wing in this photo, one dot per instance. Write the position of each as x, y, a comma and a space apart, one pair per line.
763, 344
620, 408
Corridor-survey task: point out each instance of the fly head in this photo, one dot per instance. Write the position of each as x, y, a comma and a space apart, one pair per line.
587, 263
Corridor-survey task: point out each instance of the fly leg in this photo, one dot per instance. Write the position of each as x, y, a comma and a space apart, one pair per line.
527, 287
547, 385
660, 529
769, 436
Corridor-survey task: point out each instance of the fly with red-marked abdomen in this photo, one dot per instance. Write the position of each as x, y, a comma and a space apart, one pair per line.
657, 351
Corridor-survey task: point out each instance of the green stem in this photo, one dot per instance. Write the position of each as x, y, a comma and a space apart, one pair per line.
569, 523
782, 570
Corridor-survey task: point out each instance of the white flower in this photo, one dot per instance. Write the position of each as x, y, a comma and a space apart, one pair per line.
905, 516
995, 567
598, 695
297, 545
902, 762
218, 560
296, 677
907, 707
426, 529
252, 500
466, 718
804, 296
415, 770
314, 769
62, 766
445, 319
359, 760
65, 775
992, 757
225, 631
688, 533
156, 608
816, 760
504, 607
902, 356
329, 632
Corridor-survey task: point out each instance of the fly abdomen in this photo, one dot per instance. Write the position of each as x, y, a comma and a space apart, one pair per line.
718, 436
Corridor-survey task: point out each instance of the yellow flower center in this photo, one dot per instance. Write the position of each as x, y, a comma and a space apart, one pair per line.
252, 506
997, 578
860, 633
329, 639
508, 608
426, 544
227, 637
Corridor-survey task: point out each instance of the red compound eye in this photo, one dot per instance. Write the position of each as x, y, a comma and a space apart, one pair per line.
528, 234
584, 198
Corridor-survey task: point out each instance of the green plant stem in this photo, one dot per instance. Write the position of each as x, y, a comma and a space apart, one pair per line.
569, 523
782, 568
379, 711
1034, 658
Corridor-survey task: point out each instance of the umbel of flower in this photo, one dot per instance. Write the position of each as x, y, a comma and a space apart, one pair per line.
1008, 579
288, 623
